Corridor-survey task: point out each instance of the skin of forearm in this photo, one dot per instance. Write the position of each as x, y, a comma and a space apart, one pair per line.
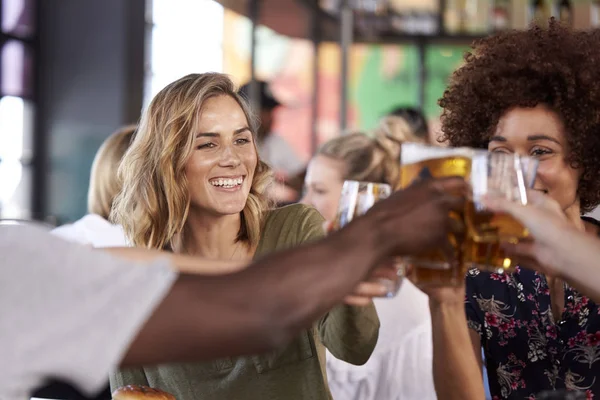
456, 371
259, 308
576, 255
182, 263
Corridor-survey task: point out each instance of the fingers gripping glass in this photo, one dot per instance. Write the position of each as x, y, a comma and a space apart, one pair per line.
356, 199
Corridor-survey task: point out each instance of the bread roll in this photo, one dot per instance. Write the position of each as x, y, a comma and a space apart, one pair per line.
135, 392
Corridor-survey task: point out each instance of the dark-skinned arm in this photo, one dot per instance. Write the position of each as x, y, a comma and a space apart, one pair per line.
271, 301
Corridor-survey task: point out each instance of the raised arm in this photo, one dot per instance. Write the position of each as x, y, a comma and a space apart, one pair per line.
284, 293
270, 302
182, 263
559, 248
457, 364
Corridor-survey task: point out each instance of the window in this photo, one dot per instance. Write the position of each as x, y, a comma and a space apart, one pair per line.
17, 69
17, 36
15, 157
185, 37
18, 18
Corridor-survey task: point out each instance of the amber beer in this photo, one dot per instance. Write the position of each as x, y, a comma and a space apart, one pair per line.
487, 232
420, 162
498, 175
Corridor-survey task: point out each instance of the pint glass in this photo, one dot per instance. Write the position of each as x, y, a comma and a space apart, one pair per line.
496, 175
356, 199
419, 162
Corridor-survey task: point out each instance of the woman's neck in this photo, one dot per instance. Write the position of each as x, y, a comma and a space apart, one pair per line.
213, 236
573, 213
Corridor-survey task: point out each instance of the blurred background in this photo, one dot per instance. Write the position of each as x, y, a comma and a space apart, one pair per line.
73, 71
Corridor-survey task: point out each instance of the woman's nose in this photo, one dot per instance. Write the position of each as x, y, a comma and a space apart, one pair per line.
229, 157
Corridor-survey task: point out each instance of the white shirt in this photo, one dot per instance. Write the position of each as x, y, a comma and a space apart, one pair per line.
93, 230
400, 367
281, 157
68, 312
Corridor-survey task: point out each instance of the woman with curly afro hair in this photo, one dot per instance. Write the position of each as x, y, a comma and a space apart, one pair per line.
536, 93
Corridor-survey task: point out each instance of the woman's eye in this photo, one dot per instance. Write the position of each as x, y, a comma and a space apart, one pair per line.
208, 145
242, 141
321, 192
501, 150
540, 152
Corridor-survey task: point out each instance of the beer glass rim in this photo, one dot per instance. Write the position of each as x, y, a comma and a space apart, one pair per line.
428, 152
534, 162
352, 181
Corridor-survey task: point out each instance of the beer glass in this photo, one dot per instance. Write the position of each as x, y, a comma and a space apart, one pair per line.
356, 199
501, 175
418, 162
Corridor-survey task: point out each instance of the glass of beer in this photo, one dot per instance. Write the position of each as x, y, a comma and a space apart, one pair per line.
356, 199
501, 175
419, 162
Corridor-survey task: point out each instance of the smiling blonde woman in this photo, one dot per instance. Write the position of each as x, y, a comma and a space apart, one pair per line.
194, 184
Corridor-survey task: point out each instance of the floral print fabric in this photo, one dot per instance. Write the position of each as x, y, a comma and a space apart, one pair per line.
527, 349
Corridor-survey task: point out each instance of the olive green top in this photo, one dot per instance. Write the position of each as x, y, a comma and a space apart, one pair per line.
294, 372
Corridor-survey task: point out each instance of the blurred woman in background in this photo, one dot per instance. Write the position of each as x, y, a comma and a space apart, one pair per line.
400, 366
193, 183
94, 229
416, 121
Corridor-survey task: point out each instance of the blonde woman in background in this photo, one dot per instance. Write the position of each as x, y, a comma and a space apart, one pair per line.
401, 365
94, 229
194, 184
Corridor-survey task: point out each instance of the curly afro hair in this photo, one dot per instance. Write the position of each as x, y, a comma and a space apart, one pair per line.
557, 67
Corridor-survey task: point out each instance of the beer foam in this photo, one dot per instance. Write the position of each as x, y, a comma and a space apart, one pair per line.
412, 153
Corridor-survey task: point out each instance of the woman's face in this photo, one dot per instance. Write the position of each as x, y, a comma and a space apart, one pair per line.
221, 168
323, 185
538, 132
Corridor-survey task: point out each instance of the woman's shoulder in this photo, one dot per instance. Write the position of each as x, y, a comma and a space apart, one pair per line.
93, 230
595, 224
293, 212
289, 226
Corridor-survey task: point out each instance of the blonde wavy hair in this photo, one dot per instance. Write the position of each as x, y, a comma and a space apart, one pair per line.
392, 132
154, 204
376, 158
365, 158
104, 182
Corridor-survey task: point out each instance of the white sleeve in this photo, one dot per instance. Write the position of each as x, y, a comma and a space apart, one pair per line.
414, 366
71, 233
68, 312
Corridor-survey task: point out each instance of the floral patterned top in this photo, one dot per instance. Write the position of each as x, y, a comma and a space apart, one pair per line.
527, 351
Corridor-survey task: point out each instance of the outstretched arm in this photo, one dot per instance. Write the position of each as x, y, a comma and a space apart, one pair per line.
284, 293
182, 263
559, 247
202, 317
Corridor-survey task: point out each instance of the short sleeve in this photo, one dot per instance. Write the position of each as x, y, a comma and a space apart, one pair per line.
71, 233
69, 312
310, 225
472, 310
93, 230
